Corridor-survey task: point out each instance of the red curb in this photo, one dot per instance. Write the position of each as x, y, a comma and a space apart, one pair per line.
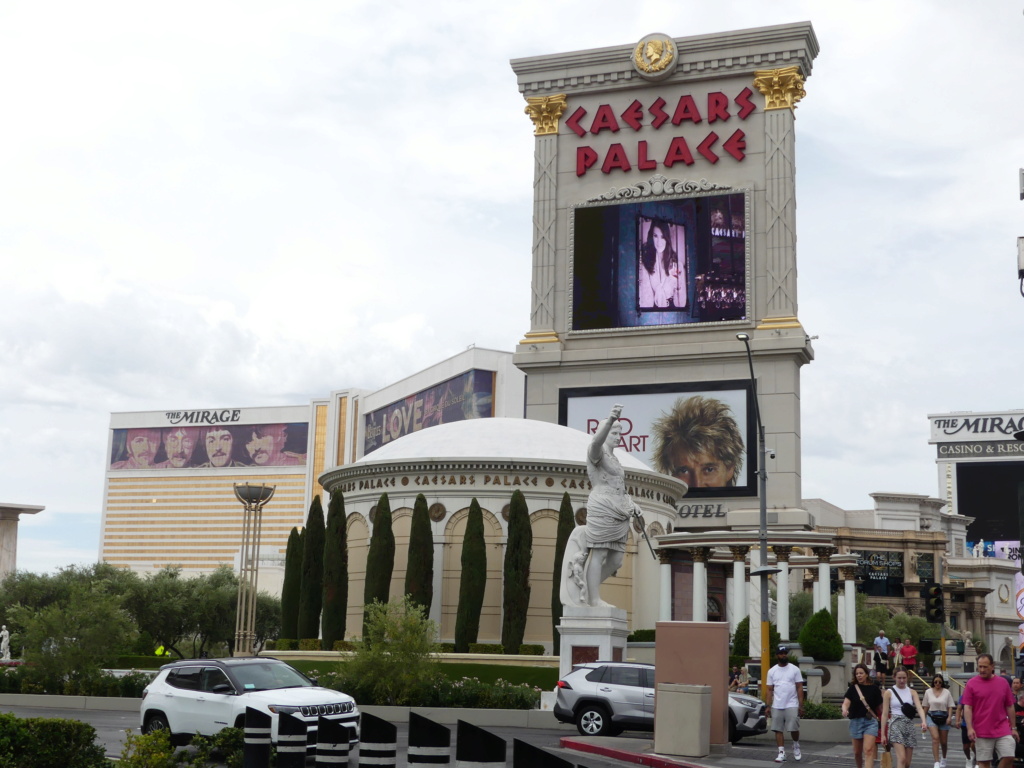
626, 756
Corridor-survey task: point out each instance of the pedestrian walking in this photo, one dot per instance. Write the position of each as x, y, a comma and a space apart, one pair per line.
786, 701
863, 705
900, 706
960, 721
938, 706
882, 649
988, 707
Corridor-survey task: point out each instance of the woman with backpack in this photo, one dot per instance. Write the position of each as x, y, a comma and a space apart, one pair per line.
900, 706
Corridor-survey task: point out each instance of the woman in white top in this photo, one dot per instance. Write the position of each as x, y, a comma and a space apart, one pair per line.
899, 729
938, 699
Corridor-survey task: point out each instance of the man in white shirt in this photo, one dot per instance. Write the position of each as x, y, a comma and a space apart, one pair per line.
882, 647
786, 701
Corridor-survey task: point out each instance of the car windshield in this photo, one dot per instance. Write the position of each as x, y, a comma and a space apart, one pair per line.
268, 676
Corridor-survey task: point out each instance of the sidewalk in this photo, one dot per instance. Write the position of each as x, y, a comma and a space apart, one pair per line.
746, 753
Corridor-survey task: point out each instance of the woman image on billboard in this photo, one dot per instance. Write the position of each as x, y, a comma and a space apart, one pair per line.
661, 282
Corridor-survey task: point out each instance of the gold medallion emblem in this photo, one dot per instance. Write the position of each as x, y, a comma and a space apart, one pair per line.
655, 56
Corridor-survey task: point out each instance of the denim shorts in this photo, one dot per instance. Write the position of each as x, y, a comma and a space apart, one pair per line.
863, 726
931, 723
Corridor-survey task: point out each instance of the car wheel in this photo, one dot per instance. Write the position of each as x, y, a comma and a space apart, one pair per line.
155, 721
593, 720
733, 737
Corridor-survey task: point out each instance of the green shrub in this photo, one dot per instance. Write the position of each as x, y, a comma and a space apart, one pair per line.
152, 750
286, 644
824, 711
741, 640
820, 639
142, 662
641, 636
486, 648
344, 645
38, 742
445, 647
310, 644
531, 649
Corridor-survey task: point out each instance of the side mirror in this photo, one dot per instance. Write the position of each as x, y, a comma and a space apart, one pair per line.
223, 688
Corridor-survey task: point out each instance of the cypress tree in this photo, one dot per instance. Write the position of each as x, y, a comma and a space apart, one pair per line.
380, 559
419, 573
518, 551
566, 524
291, 587
312, 591
473, 581
335, 573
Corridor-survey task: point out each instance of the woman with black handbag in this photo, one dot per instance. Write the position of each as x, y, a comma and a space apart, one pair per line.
938, 703
900, 705
863, 705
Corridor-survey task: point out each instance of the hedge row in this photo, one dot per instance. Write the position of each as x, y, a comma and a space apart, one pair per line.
38, 742
289, 644
28, 680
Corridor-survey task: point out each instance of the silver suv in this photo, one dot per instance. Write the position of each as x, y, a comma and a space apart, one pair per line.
204, 696
605, 698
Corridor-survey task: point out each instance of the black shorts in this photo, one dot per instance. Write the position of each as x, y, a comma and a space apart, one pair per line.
881, 663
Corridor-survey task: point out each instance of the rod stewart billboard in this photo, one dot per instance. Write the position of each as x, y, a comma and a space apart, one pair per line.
702, 433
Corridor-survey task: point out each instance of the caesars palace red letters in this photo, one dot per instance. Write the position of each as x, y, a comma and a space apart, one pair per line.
618, 157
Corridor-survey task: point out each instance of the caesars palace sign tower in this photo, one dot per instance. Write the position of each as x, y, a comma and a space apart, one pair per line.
664, 223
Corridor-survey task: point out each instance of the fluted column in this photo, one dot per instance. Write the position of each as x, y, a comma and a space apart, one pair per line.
782, 598
700, 583
739, 586
665, 573
850, 604
545, 112
824, 598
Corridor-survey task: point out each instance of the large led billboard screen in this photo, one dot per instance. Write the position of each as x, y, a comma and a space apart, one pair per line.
987, 491
210, 446
469, 395
657, 262
701, 433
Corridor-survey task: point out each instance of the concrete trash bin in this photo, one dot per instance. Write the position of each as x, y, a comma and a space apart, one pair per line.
682, 720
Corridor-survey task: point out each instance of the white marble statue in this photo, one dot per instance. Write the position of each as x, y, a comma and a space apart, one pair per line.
5, 643
595, 551
979, 548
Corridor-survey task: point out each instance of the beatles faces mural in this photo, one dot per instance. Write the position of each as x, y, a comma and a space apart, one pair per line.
213, 445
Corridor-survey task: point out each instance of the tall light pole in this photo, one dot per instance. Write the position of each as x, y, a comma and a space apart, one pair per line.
253, 498
763, 570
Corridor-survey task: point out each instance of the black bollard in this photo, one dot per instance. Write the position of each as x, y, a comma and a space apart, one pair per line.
256, 750
378, 742
528, 756
430, 743
479, 748
291, 742
332, 739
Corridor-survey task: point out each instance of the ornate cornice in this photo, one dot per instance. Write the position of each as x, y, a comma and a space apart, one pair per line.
658, 186
698, 58
782, 88
545, 112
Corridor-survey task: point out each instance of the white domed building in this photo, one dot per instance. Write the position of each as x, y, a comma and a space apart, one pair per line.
488, 459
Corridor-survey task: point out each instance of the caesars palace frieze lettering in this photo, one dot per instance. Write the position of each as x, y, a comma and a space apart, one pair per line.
488, 480
685, 511
718, 107
203, 417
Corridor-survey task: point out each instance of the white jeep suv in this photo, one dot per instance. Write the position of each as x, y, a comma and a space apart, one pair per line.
204, 696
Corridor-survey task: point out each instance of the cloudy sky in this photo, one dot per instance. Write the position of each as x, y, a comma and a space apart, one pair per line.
246, 203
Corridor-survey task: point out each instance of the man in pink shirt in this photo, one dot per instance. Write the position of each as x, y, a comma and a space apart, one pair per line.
988, 709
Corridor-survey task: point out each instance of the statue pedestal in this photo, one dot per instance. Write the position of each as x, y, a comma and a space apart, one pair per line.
591, 634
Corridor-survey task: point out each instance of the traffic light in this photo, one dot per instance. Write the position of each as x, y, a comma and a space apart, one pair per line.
934, 603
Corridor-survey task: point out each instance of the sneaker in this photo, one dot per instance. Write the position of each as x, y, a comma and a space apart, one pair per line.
937, 764
969, 763
796, 752
942, 762
781, 757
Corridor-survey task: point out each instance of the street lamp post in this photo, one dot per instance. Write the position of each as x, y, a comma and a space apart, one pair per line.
763, 570
253, 498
